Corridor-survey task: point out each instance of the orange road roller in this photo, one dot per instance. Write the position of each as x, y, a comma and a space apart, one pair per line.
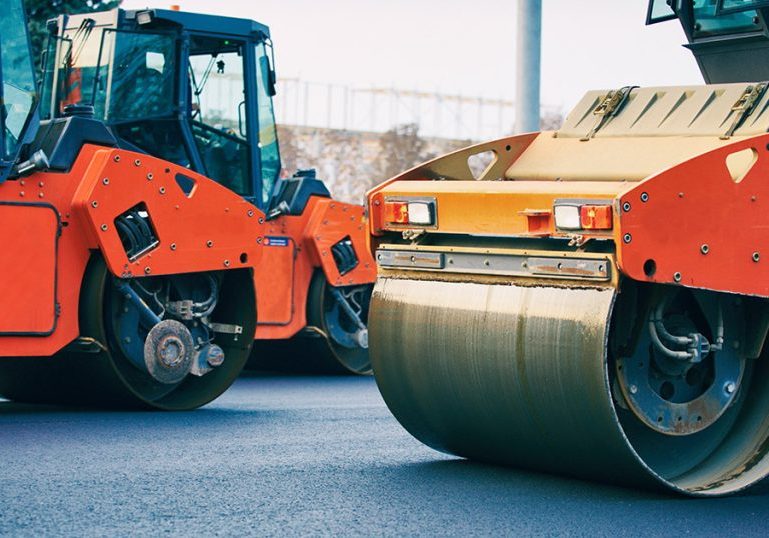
147, 238
592, 301
196, 90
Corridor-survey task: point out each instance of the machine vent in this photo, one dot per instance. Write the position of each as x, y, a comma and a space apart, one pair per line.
344, 256
136, 231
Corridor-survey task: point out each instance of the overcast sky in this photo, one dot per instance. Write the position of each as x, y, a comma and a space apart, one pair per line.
464, 47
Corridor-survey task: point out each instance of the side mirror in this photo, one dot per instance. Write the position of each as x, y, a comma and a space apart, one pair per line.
272, 81
272, 78
269, 75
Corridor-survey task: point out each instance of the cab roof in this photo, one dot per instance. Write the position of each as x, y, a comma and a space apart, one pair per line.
197, 22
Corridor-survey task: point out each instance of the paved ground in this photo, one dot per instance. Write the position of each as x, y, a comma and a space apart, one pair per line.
309, 456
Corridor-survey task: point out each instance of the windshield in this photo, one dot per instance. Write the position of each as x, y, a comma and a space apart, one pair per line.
136, 76
70, 68
268, 135
707, 21
733, 6
18, 89
125, 75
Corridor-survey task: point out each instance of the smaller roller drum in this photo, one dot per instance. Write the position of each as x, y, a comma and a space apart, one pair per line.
642, 385
335, 340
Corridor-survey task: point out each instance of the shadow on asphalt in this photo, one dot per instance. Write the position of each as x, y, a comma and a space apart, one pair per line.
15, 408
480, 477
143, 417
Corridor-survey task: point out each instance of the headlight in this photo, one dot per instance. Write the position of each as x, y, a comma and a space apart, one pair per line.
403, 211
583, 215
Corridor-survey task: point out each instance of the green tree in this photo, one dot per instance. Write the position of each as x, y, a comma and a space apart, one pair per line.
40, 11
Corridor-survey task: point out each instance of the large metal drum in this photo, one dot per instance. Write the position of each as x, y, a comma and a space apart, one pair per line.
524, 375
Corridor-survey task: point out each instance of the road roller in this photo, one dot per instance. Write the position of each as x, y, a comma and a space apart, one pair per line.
592, 301
196, 90
147, 242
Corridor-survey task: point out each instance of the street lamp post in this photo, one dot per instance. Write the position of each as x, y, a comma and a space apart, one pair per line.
529, 41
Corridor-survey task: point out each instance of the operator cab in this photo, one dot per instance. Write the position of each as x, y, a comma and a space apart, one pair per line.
192, 89
729, 38
17, 90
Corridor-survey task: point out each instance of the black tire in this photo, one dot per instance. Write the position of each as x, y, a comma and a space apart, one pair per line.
314, 351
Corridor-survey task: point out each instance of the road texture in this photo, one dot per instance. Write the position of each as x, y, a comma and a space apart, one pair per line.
304, 456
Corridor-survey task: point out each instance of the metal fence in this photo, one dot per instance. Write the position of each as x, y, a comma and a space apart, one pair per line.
336, 106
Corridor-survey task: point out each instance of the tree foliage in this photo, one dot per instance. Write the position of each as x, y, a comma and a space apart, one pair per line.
40, 11
400, 149
550, 121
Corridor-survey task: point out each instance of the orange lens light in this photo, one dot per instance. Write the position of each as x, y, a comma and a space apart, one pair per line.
595, 217
396, 212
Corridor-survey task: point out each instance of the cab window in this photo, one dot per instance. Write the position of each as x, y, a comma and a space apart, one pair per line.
708, 22
733, 6
218, 111
137, 79
268, 135
18, 94
659, 10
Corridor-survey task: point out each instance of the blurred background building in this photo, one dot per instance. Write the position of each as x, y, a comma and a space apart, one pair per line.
358, 136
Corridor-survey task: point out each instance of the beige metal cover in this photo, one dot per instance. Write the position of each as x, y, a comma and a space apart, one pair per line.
655, 129
670, 111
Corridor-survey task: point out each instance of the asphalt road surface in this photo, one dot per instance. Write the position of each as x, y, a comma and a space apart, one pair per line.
304, 456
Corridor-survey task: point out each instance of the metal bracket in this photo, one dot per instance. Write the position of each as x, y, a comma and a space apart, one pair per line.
608, 108
345, 305
183, 309
577, 240
85, 344
226, 328
744, 106
415, 236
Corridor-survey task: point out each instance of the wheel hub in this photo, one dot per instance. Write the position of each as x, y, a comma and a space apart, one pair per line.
679, 396
346, 314
168, 351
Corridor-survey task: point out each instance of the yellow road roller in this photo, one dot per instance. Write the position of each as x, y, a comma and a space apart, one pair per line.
592, 301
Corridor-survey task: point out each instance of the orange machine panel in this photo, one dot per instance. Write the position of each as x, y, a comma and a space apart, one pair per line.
29, 234
330, 223
320, 226
703, 223
274, 299
212, 229
200, 225
74, 250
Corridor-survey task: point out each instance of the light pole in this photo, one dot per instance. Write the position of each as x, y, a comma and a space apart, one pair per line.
528, 43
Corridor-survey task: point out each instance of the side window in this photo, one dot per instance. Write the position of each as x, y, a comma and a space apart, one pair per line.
659, 10
707, 20
136, 76
18, 78
76, 58
734, 6
268, 135
57, 49
218, 113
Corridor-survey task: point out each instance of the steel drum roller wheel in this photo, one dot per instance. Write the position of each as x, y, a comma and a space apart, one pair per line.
342, 352
522, 376
329, 345
107, 378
